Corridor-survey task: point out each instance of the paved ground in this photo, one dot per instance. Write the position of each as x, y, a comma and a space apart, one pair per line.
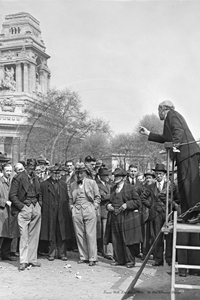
56, 281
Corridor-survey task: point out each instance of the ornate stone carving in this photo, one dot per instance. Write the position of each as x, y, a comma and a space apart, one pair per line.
8, 83
8, 104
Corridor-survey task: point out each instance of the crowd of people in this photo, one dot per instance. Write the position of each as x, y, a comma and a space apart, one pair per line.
88, 208
83, 207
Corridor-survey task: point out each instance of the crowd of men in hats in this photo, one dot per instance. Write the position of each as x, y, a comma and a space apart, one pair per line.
81, 207
86, 207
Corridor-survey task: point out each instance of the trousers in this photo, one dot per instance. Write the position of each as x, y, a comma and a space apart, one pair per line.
84, 220
29, 221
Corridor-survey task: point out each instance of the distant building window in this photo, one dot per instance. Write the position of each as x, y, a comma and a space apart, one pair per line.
15, 30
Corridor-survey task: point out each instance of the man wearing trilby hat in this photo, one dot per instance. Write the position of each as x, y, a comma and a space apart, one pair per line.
56, 225
84, 201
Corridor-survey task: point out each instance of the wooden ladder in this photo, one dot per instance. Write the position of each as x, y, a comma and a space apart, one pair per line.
176, 227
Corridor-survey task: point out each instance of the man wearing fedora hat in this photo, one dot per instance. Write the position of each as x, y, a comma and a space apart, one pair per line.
157, 214
123, 227
104, 190
25, 195
56, 216
84, 201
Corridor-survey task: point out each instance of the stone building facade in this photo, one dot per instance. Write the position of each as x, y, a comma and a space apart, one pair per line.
24, 78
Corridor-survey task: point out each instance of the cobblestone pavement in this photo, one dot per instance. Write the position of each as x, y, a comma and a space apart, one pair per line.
59, 280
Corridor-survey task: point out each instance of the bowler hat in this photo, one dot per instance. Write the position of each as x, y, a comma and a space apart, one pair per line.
55, 169
103, 172
160, 168
149, 173
79, 167
90, 158
3, 158
119, 172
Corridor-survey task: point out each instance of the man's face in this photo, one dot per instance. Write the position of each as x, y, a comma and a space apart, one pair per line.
132, 172
7, 172
38, 172
30, 170
118, 179
159, 175
19, 168
105, 178
161, 113
69, 167
149, 179
80, 175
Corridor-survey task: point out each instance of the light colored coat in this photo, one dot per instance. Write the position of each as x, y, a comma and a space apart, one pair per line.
5, 210
90, 188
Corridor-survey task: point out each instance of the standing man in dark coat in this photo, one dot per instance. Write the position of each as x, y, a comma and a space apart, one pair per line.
124, 223
56, 225
187, 159
25, 195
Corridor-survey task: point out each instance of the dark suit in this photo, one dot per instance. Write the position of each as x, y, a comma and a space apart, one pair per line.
176, 130
56, 216
104, 190
29, 215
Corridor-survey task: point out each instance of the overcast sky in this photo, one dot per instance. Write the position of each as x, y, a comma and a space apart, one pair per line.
123, 57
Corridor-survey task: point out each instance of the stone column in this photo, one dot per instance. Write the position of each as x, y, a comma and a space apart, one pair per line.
1, 72
19, 77
15, 150
48, 82
32, 78
42, 81
26, 79
2, 141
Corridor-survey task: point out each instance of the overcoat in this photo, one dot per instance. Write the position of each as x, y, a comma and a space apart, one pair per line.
48, 211
104, 190
132, 220
8, 223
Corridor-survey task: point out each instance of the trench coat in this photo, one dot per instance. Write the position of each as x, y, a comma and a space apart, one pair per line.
48, 211
132, 219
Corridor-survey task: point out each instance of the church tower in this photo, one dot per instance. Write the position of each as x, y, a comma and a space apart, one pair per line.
24, 77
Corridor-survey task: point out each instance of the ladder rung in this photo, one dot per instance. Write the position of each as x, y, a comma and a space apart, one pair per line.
187, 286
188, 247
187, 267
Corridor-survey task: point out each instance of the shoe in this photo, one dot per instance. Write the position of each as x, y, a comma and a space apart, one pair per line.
51, 258
182, 272
9, 257
157, 264
14, 254
92, 263
107, 256
22, 267
130, 265
115, 263
64, 258
36, 264
195, 219
82, 262
169, 263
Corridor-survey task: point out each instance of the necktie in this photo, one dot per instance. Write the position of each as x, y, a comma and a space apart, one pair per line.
159, 186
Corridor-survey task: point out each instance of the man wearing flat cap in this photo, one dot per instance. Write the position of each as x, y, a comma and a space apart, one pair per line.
56, 225
84, 201
25, 195
123, 227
